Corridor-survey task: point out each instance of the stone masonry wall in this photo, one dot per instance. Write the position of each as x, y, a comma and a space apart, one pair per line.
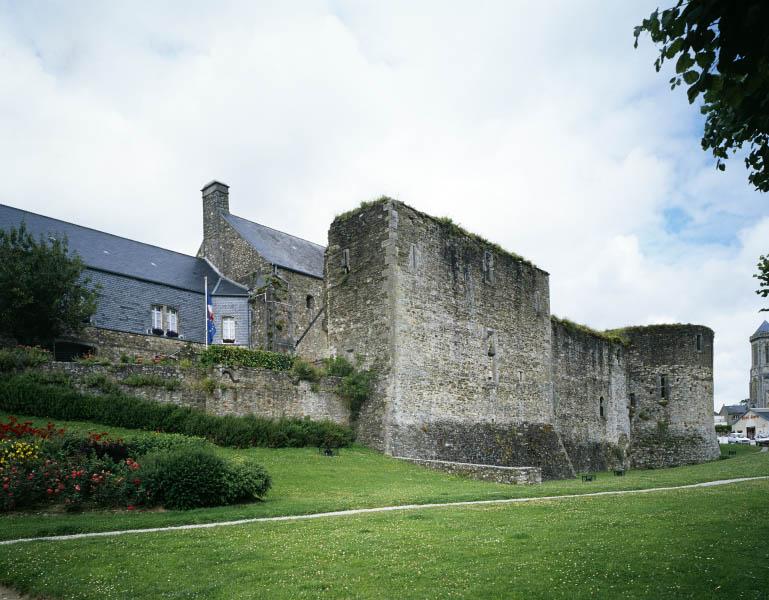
359, 298
113, 344
671, 394
590, 398
459, 333
243, 391
510, 475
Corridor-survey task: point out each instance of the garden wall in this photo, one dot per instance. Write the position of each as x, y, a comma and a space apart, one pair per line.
219, 391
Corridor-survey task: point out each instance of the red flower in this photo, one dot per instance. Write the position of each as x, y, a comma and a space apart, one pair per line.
130, 507
49, 491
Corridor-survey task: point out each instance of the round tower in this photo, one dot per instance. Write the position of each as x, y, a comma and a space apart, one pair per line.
670, 385
759, 367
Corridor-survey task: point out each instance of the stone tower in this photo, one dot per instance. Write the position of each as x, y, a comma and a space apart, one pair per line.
759, 367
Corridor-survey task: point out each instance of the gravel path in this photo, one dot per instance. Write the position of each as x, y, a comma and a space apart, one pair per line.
363, 511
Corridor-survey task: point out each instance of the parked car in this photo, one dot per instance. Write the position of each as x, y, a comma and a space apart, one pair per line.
735, 438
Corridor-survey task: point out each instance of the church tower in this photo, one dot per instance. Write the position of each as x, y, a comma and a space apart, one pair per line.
759, 367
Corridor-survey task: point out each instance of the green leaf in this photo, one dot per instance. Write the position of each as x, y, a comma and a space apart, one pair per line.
683, 63
691, 76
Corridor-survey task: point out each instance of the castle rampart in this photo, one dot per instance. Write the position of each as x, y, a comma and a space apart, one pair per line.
670, 376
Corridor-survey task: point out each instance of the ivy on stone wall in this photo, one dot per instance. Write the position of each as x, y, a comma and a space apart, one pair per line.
234, 356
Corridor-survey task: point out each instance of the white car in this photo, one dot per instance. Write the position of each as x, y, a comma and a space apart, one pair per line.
734, 438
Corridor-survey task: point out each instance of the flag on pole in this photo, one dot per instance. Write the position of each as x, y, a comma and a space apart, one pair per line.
211, 327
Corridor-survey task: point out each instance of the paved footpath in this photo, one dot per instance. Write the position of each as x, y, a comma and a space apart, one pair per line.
363, 511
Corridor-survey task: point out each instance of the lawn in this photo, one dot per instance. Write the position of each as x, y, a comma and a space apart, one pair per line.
697, 543
307, 482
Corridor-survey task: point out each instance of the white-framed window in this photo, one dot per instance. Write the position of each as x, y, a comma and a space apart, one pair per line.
228, 330
157, 317
172, 320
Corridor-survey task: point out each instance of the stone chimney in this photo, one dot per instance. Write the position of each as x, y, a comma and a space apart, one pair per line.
216, 201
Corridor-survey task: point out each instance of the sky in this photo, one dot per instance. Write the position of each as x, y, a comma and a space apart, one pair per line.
535, 124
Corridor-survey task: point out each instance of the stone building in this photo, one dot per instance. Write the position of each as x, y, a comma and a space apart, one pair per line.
470, 365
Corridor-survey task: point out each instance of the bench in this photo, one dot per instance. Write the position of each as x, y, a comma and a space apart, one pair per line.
327, 450
588, 476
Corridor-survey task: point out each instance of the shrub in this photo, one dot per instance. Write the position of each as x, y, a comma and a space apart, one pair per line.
245, 481
152, 380
723, 429
234, 356
22, 357
101, 382
303, 370
356, 388
338, 366
193, 478
25, 394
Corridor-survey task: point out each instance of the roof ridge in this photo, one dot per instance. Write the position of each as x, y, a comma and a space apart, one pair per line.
278, 230
22, 210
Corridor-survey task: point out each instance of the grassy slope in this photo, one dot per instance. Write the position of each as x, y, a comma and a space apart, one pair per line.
306, 482
703, 543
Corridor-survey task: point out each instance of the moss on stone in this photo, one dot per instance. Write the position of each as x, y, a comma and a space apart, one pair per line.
613, 335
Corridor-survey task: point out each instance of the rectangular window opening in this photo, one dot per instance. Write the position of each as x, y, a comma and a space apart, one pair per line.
228, 330
699, 342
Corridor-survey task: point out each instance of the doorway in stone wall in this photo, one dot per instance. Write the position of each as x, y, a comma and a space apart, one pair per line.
750, 432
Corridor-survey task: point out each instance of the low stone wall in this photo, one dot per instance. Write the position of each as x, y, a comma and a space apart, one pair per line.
495, 473
220, 391
112, 345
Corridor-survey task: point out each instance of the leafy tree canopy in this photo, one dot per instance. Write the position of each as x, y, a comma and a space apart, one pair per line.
721, 52
43, 293
763, 278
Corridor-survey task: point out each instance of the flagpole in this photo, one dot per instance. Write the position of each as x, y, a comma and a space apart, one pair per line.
205, 307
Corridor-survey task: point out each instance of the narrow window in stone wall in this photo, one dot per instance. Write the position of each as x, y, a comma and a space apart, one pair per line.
491, 341
663, 386
755, 355
310, 301
538, 302
346, 260
413, 259
172, 322
488, 267
766, 354
600, 407
228, 330
699, 342
157, 320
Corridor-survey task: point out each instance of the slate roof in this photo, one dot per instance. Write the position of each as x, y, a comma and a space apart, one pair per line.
734, 409
761, 412
762, 330
106, 252
281, 249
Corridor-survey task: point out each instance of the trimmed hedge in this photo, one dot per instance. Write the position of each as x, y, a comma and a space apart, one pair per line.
185, 479
31, 395
234, 356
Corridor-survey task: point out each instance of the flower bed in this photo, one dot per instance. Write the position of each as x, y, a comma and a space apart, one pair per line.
49, 465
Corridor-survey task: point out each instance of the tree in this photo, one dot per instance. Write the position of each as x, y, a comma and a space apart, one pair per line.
721, 49
763, 277
43, 292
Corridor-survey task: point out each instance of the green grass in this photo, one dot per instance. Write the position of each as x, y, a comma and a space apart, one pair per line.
703, 543
307, 482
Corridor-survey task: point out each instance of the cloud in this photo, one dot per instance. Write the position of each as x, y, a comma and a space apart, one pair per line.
535, 124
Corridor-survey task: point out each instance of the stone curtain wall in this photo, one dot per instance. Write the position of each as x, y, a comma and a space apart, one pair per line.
220, 391
359, 299
459, 333
678, 428
586, 368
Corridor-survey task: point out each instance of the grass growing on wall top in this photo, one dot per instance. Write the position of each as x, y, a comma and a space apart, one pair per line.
361, 207
613, 336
